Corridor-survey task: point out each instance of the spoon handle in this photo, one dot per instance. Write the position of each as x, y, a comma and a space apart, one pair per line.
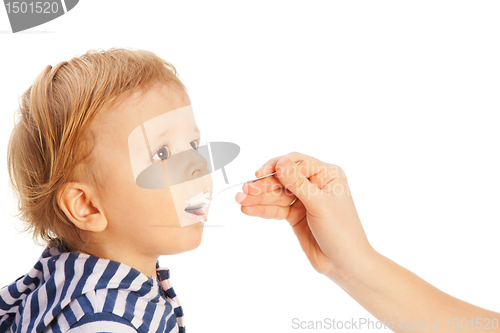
252, 180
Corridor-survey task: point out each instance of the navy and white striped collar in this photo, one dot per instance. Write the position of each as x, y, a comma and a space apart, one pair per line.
71, 274
55, 251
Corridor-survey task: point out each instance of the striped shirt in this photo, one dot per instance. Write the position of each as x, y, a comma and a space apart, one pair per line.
75, 293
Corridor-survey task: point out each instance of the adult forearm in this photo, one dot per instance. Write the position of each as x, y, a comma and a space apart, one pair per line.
394, 294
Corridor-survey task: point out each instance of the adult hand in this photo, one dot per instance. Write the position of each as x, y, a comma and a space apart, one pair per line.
327, 225
323, 217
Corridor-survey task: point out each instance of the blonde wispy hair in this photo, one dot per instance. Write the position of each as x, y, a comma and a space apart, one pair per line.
52, 139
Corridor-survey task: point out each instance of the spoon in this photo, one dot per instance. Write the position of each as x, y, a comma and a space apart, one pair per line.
269, 175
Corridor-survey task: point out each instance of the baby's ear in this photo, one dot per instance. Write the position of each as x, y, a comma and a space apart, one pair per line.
78, 203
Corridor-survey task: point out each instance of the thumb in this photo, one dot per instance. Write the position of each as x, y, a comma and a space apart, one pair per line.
290, 176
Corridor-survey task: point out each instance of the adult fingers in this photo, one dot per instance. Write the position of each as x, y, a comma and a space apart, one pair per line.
308, 167
290, 213
277, 197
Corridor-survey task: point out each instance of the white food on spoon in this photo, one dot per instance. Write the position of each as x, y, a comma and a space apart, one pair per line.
199, 200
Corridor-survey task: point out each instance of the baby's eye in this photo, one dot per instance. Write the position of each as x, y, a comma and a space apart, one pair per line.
163, 152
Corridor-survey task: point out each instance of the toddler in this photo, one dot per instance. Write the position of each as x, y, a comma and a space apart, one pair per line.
95, 163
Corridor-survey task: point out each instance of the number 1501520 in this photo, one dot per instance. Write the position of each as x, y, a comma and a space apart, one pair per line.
39, 7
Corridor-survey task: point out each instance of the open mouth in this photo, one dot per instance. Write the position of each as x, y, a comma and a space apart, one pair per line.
196, 205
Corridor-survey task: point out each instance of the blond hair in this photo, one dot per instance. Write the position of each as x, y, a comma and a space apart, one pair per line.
52, 140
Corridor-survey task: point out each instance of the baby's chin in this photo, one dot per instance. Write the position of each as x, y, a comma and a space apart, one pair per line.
188, 240
196, 234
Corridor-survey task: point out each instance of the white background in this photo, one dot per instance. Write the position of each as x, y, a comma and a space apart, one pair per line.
404, 96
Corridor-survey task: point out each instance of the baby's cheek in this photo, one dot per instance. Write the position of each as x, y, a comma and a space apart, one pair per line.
158, 209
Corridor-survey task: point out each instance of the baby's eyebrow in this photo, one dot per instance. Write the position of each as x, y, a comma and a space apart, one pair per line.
166, 133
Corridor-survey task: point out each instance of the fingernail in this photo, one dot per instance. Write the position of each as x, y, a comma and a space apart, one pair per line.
240, 197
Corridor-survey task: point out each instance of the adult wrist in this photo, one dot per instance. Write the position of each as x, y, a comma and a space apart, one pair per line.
350, 273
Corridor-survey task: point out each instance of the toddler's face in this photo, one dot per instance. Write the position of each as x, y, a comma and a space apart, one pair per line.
150, 219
